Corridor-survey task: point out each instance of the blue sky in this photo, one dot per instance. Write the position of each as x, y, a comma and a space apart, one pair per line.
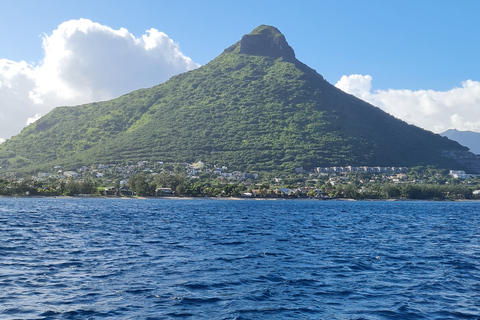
402, 44
406, 46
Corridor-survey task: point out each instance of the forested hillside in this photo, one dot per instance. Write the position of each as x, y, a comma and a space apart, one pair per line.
254, 107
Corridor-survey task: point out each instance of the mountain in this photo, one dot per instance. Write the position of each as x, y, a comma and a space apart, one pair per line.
254, 107
468, 139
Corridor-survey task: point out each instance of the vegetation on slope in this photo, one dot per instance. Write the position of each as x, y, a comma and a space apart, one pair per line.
254, 108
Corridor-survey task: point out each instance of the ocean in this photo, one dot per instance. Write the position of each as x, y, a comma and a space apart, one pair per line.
223, 259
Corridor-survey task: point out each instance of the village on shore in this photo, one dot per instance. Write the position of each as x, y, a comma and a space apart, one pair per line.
159, 179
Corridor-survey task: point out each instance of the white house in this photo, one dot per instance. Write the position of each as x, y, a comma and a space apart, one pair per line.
44, 174
71, 174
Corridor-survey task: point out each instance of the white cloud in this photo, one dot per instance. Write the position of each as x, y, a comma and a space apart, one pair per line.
356, 84
32, 120
437, 111
84, 62
16, 80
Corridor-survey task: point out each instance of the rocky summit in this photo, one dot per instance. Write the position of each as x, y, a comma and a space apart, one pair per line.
253, 108
266, 41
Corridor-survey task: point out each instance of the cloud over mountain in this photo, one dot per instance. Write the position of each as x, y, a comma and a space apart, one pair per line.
433, 110
84, 62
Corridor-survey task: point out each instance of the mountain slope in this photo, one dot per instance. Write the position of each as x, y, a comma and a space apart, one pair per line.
254, 107
468, 139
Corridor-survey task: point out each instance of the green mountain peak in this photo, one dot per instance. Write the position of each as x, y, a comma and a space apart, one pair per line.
253, 108
266, 30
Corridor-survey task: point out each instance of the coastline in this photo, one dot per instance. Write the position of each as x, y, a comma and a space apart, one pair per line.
234, 198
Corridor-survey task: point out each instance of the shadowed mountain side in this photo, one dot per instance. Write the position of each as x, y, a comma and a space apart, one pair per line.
254, 107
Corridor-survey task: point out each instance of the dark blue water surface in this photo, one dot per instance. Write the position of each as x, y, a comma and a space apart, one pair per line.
220, 259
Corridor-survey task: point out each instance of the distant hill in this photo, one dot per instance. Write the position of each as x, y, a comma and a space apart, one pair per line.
468, 139
254, 107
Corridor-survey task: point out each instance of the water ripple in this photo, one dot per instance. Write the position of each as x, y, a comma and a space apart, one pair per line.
190, 259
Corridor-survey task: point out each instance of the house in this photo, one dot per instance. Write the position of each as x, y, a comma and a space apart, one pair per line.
198, 165
245, 176
71, 174
304, 190
163, 191
227, 174
125, 191
192, 171
285, 191
256, 192
44, 174
110, 191
322, 195
458, 174
461, 174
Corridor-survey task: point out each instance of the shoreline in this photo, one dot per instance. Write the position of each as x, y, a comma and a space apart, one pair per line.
233, 198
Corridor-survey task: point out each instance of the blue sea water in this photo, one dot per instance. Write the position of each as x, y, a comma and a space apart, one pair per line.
221, 259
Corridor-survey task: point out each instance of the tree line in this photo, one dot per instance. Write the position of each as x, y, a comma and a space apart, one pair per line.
404, 191
30, 187
209, 186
